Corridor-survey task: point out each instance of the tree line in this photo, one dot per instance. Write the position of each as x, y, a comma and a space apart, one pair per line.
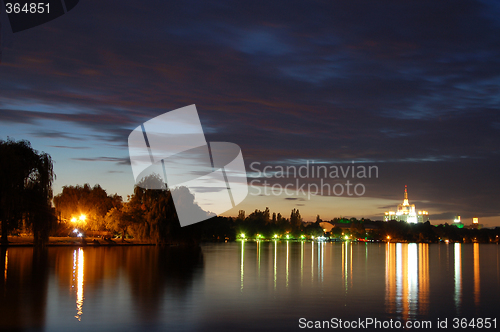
149, 215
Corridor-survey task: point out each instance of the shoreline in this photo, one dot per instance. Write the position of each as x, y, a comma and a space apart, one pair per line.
15, 241
21, 242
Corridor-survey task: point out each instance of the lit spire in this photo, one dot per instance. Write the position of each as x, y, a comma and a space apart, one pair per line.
405, 202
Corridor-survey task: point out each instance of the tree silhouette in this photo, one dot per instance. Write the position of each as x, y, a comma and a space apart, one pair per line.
26, 178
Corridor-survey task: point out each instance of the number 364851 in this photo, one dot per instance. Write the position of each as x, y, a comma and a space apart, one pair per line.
27, 8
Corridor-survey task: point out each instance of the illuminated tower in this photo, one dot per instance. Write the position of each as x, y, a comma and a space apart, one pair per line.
406, 212
405, 201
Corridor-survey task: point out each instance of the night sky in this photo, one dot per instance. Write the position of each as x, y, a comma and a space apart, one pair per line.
412, 87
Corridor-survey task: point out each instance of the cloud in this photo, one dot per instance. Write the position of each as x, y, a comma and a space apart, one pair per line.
294, 199
118, 161
70, 147
55, 134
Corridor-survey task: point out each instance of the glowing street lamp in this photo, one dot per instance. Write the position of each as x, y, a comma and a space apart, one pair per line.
275, 236
242, 235
73, 219
82, 217
388, 237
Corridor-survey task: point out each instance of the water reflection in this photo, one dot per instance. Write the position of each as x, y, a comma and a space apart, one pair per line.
347, 263
301, 262
242, 268
321, 255
423, 277
407, 279
275, 262
287, 255
458, 275
312, 261
23, 296
223, 288
476, 274
78, 270
6, 258
258, 258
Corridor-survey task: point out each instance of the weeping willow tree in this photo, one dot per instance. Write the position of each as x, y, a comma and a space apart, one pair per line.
150, 215
26, 178
153, 212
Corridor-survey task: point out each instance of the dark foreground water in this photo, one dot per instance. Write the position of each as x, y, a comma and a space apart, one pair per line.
246, 286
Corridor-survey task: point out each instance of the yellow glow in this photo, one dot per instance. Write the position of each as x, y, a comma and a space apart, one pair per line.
412, 278
388, 237
390, 277
476, 274
73, 219
83, 217
423, 278
78, 266
6, 264
475, 220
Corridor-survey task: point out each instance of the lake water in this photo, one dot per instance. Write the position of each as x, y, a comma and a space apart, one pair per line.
245, 285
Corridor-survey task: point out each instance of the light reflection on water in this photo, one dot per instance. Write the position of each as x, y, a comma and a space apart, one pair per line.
78, 268
477, 277
6, 264
260, 285
458, 275
407, 279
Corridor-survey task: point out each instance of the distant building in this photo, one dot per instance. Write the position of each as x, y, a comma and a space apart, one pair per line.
475, 224
406, 212
457, 222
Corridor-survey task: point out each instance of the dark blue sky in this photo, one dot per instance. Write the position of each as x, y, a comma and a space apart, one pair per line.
410, 86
